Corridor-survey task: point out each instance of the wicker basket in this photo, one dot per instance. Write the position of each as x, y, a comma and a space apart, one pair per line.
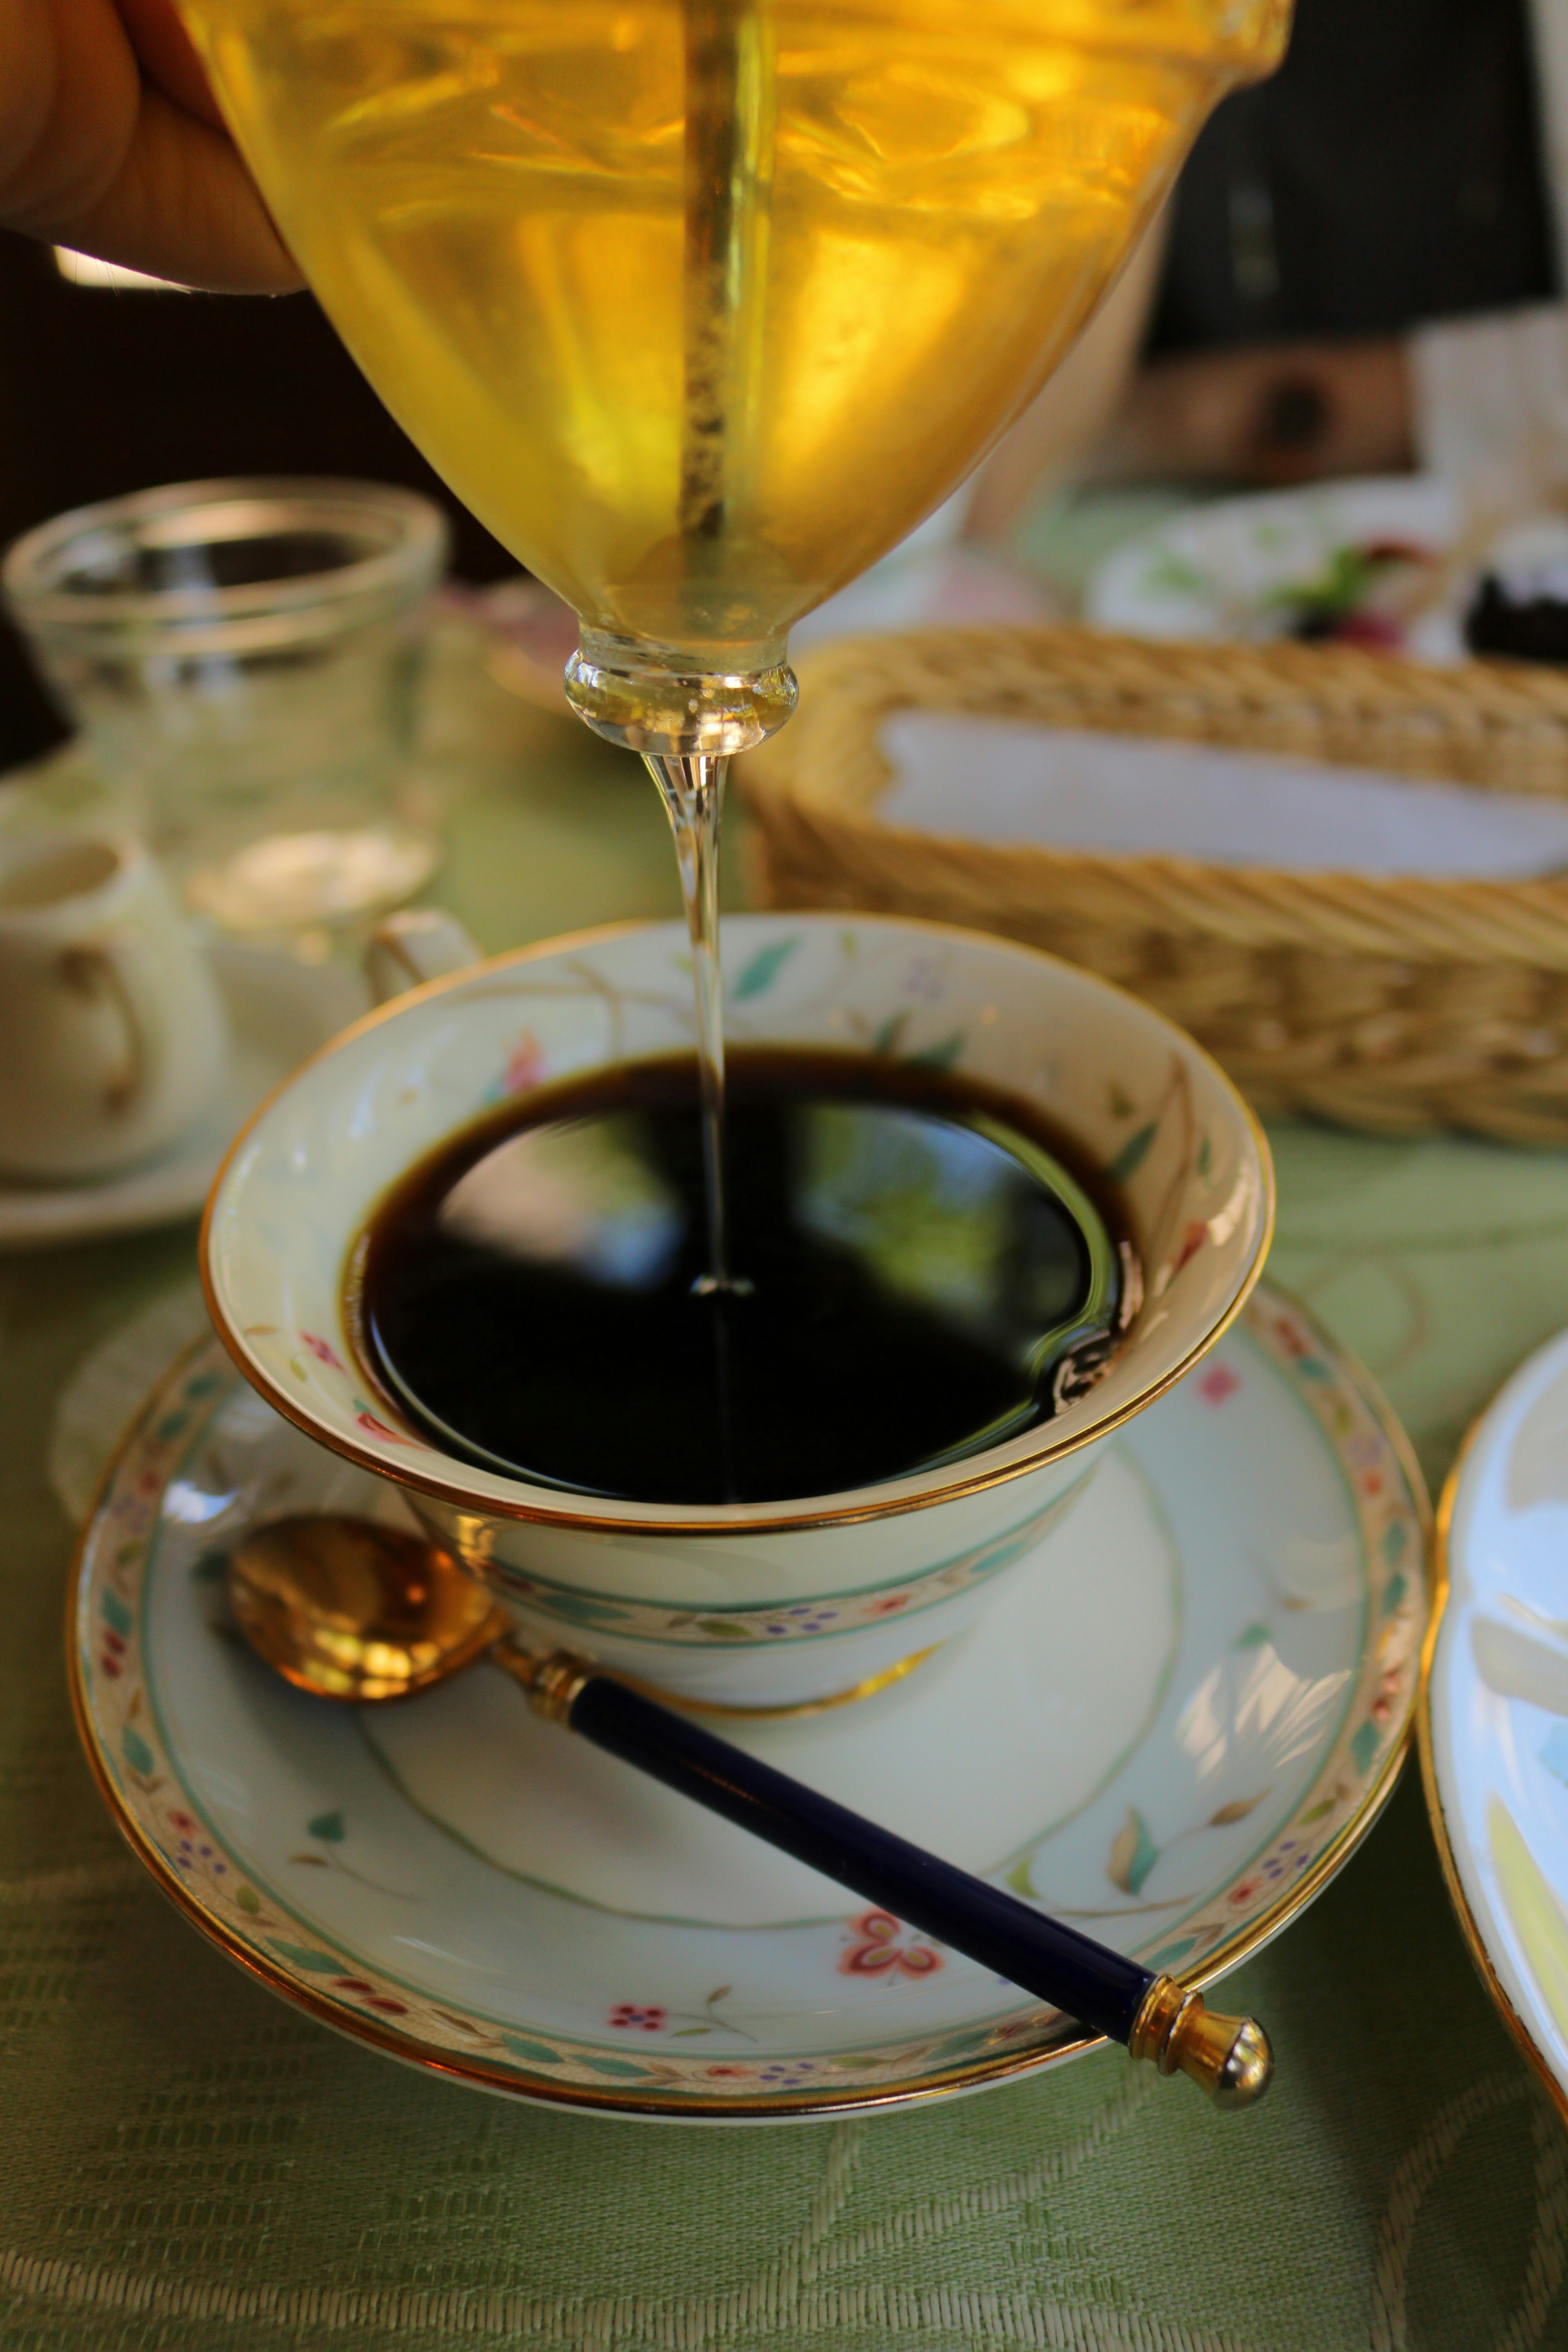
1385, 1002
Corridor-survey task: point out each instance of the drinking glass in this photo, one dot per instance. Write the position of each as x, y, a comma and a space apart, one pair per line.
703, 304
245, 657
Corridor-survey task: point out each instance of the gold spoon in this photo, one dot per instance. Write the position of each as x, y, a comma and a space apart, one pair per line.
351, 1610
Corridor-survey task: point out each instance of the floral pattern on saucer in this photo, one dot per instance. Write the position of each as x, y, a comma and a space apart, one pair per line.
704, 2053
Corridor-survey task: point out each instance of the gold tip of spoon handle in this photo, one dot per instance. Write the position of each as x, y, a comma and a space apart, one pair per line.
1227, 2057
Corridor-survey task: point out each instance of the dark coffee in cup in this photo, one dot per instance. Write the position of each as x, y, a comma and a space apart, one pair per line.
924, 1270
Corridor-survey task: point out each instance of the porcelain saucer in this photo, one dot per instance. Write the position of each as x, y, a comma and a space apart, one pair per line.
279, 1012
1494, 1717
1174, 1731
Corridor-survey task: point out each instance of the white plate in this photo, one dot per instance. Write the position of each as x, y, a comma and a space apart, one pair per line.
1218, 570
279, 1012
1494, 1723
1175, 1730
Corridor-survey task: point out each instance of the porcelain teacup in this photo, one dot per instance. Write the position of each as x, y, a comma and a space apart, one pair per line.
757, 1604
111, 1030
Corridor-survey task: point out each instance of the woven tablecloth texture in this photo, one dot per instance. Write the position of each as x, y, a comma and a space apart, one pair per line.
184, 2162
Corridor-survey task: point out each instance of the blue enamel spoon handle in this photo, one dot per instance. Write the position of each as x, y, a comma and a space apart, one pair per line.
1151, 2015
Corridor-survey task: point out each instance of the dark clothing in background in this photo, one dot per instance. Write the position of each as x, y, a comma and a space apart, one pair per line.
1389, 173
103, 391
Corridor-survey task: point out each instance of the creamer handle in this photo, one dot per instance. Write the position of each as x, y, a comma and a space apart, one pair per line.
106, 971
420, 944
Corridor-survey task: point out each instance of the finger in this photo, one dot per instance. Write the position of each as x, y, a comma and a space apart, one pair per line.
168, 58
68, 94
183, 206
28, 76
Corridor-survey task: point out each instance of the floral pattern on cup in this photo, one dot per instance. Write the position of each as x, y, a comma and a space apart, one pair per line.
1159, 1127
792, 1621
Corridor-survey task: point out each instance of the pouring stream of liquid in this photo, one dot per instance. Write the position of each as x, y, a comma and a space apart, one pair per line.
693, 794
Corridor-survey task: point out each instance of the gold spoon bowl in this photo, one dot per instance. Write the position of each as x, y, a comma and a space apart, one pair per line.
353, 1610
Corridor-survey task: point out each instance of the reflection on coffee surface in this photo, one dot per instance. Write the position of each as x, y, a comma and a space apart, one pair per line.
921, 1277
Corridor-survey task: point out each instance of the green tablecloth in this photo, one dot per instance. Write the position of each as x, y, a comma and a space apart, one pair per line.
185, 2162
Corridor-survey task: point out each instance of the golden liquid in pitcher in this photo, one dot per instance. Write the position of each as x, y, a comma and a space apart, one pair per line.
701, 308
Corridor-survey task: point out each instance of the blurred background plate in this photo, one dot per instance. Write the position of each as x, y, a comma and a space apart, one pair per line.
1359, 563
1494, 1715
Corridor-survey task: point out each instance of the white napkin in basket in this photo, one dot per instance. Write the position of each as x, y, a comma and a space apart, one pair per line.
1004, 780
